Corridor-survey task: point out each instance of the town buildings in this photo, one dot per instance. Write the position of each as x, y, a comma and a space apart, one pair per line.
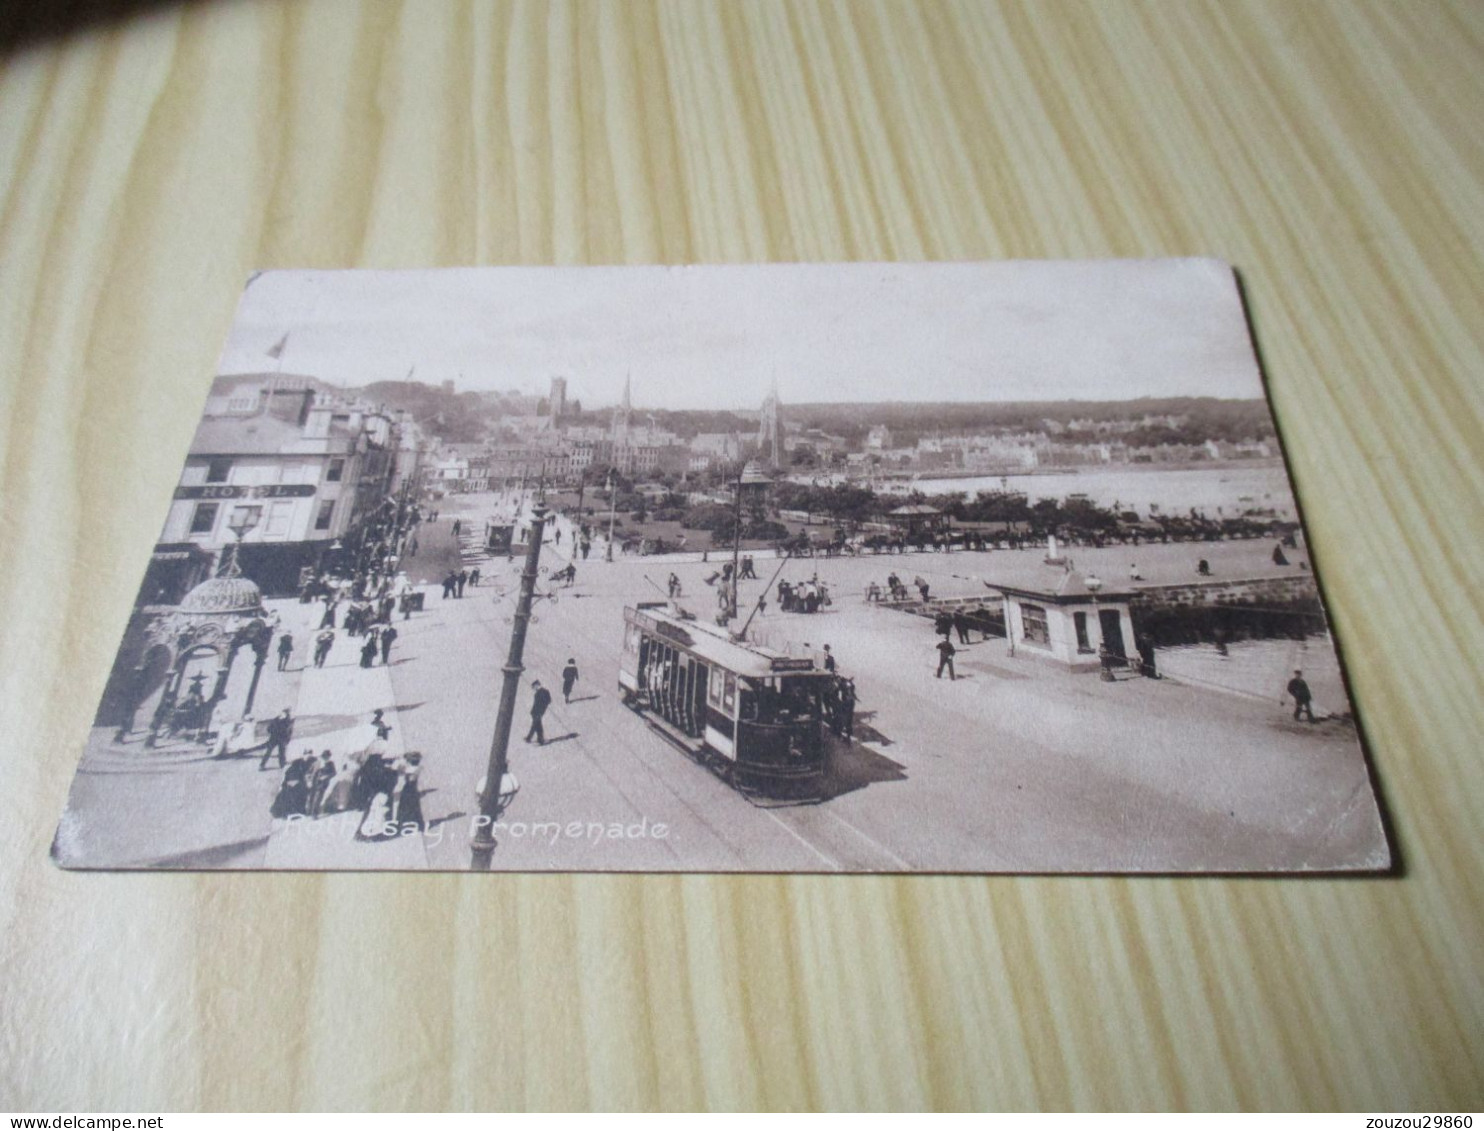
286, 466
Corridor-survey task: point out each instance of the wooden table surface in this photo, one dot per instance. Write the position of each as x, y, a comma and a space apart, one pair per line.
1331, 151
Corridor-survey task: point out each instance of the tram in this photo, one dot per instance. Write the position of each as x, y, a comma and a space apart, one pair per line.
754, 715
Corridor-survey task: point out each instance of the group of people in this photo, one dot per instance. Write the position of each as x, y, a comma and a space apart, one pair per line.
950, 622
455, 581
804, 596
541, 701
384, 789
379, 638
896, 589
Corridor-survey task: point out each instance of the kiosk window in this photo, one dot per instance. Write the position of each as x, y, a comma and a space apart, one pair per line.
1035, 629
1079, 620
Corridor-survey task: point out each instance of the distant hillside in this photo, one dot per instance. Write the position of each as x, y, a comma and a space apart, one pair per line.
455, 417
464, 417
1207, 418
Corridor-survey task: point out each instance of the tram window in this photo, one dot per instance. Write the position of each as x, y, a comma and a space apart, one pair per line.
729, 693
713, 692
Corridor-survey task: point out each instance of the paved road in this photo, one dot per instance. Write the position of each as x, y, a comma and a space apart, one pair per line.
1014, 766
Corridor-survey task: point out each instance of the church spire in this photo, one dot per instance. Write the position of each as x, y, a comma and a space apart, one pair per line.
768, 441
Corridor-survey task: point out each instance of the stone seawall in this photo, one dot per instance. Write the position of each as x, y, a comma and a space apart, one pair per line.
1227, 593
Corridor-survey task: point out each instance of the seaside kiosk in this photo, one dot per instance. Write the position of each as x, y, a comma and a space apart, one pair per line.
1068, 620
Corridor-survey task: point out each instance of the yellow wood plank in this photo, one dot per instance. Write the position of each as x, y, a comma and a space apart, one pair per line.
1330, 150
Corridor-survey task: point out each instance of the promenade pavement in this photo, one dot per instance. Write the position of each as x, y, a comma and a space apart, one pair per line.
1015, 765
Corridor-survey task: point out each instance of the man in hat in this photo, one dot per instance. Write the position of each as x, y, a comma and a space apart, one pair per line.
539, 702
280, 730
569, 679
1303, 698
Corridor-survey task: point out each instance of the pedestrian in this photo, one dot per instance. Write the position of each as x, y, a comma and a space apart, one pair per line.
586, 548
409, 793
388, 635
450, 583
474, 579
829, 660
378, 783
292, 799
458, 526
960, 625
463, 581
280, 730
285, 650
319, 783
328, 620
539, 702
847, 709
368, 650
337, 798
236, 738
1203, 568
1279, 557
943, 624
674, 585
569, 679
1303, 698
322, 644
1133, 572
1145, 645
922, 587
379, 725
946, 652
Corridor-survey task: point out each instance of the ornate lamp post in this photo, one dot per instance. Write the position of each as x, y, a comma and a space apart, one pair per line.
1105, 673
499, 784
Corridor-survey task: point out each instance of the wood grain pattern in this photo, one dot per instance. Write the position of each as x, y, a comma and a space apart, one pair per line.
1331, 151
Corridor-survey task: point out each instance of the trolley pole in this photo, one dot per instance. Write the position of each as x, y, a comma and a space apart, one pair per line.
736, 586
483, 848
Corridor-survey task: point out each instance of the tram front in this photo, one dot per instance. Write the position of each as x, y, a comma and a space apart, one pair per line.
780, 720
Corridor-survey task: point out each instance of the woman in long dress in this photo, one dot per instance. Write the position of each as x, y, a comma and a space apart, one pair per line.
378, 784
338, 795
409, 795
293, 794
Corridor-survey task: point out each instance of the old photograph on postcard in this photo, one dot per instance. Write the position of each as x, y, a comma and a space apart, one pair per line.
975, 567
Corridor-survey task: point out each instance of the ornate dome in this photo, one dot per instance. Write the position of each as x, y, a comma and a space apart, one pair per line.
223, 596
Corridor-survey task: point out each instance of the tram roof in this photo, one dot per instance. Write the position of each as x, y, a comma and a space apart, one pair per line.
752, 660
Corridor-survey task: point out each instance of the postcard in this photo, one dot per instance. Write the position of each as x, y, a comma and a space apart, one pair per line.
955, 567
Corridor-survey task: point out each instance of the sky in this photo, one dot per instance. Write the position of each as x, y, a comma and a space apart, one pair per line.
718, 337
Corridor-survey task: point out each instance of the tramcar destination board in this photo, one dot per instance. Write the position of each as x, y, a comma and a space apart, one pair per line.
958, 567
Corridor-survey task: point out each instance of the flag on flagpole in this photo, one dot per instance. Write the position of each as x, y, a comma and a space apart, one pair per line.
276, 353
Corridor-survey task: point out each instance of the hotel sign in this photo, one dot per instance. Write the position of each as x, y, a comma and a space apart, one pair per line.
265, 491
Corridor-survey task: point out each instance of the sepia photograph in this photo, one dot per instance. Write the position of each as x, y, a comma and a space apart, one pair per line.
955, 567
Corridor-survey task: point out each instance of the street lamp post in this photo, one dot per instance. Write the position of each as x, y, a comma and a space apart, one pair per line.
495, 795
612, 514
1105, 665
731, 605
